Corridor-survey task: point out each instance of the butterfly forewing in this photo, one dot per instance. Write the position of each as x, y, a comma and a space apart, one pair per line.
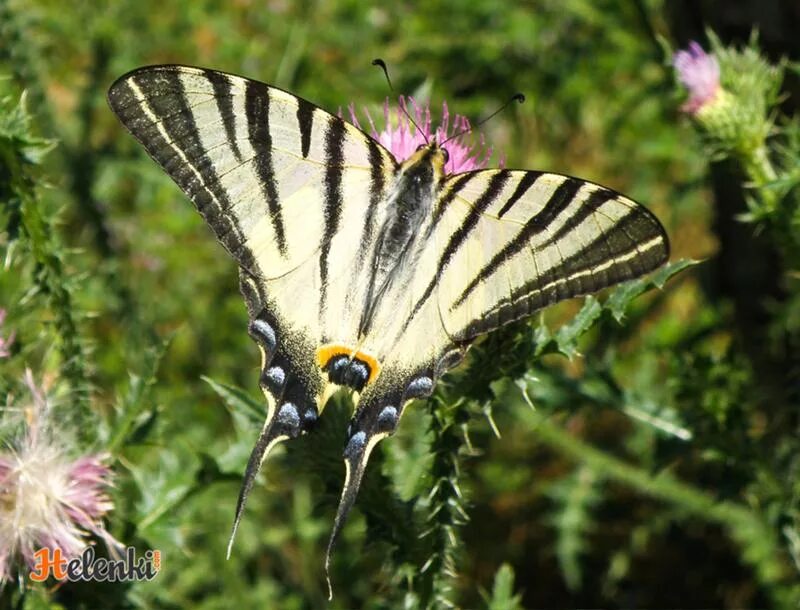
279, 180
502, 244
536, 239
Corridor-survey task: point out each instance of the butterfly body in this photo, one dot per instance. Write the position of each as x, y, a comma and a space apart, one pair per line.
400, 241
362, 270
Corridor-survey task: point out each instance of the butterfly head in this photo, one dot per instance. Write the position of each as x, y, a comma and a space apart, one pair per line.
427, 163
434, 152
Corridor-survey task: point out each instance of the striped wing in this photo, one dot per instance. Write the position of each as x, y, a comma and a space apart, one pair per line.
292, 192
533, 239
279, 180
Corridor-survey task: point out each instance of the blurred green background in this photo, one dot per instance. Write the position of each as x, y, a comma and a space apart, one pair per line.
698, 382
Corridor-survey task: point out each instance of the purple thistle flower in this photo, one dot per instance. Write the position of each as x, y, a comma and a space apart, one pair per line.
402, 139
5, 344
46, 498
699, 73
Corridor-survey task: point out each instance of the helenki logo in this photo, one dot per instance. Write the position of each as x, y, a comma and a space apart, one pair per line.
85, 567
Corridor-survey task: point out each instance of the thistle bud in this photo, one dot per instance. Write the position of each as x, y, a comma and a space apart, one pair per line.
731, 92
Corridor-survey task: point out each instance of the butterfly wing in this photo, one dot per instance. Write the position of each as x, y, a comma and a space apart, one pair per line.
293, 193
535, 239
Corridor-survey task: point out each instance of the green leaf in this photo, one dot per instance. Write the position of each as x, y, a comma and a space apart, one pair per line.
575, 498
503, 597
136, 411
15, 131
164, 488
542, 338
623, 295
244, 409
567, 336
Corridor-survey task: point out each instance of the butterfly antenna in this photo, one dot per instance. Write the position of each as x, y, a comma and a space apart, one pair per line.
517, 97
382, 64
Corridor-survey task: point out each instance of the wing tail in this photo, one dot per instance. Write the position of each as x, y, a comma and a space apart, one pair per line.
356, 455
376, 418
296, 415
269, 437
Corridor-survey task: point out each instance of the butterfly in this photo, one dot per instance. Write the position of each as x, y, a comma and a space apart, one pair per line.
362, 270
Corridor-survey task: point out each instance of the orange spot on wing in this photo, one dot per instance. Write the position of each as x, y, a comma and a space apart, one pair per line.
331, 350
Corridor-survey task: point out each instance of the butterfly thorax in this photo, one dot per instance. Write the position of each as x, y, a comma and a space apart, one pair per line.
410, 199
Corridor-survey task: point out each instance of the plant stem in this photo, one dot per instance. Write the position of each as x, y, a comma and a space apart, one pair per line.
761, 173
51, 280
444, 508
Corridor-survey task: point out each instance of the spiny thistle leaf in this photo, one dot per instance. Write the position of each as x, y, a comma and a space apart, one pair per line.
575, 497
567, 336
16, 134
503, 597
244, 409
621, 297
565, 340
133, 416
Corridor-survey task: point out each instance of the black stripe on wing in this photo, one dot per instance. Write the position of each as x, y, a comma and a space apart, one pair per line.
635, 245
305, 121
458, 184
224, 95
457, 239
558, 202
376, 186
334, 167
256, 103
524, 185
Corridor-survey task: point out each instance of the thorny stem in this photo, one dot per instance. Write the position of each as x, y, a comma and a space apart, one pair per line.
50, 277
761, 173
445, 511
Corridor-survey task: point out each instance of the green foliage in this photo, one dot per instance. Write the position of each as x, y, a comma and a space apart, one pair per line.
503, 597
26, 220
574, 498
572, 460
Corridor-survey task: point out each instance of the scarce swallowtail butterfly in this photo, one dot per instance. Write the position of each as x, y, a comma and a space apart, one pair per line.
360, 269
